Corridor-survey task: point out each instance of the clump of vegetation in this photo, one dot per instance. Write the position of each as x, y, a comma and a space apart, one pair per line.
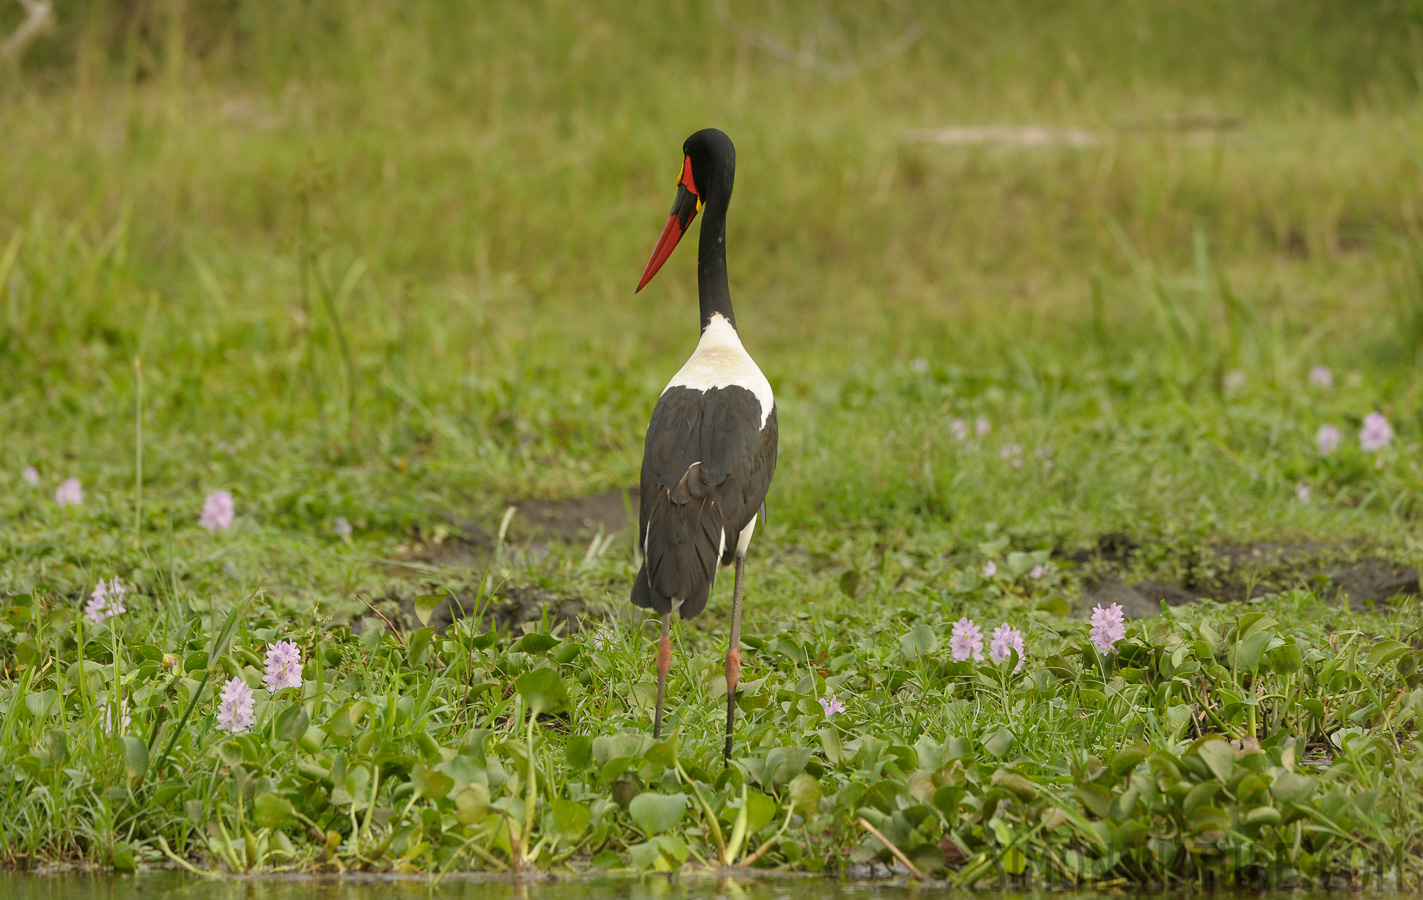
1217, 745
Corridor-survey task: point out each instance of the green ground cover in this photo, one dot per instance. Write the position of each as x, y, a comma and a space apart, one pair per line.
377, 261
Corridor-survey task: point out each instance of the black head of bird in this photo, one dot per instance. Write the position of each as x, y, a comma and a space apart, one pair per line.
708, 172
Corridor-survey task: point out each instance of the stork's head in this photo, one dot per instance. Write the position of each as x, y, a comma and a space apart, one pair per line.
708, 170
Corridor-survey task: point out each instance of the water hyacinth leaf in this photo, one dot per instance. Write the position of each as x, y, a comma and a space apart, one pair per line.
645, 855
656, 813
1054, 605
805, 794
1219, 757
543, 691
1385, 651
1014, 783
1290, 787
462, 770
760, 810
272, 810
568, 820
830, 743
998, 742
425, 606
472, 804
663, 753
196, 661
1250, 649
919, 642
578, 751
135, 754
1129, 757
292, 723
1285, 659
122, 857
429, 782
535, 642
42, 703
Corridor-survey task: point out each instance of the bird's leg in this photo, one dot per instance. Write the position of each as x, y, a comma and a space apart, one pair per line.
733, 649
664, 662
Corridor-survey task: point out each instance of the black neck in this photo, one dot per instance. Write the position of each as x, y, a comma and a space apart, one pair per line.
712, 288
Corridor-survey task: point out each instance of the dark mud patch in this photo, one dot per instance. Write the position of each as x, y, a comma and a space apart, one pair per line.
534, 525
509, 608
1231, 572
576, 521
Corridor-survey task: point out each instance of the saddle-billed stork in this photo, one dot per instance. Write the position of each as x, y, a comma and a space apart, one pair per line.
711, 444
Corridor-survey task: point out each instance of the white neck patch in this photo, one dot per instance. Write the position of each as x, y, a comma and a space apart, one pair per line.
721, 361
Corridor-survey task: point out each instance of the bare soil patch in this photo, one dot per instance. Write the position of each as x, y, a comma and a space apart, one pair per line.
1234, 572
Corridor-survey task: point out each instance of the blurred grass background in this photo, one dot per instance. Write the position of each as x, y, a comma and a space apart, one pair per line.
378, 258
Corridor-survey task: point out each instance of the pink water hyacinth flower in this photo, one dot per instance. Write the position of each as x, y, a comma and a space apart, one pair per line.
1006, 638
70, 493
601, 636
981, 426
1376, 433
31, 476
234, 710
218, 511
1302, 493
990, 569
966, 640
107, 600
1037, 572
1321, 377
1108, 626
959, 429
832, 706
1328, 439
1013, 453
283, 666
342, 527
106, 718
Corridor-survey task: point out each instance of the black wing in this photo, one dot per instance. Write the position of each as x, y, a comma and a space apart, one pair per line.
706, 466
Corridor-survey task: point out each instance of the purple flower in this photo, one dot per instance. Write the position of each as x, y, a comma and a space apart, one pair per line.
218, 511
1376, 433
1108, 626
31, 476
234, 710
990, 569
1006, 638
1233, 382
982, 426
70, 493
1321, 376
107, 600
832, 706
283, 666
1012, 452
966, 640
1328, 439
341, 527
1302, 492
959, 429
107, 718
601, 635
1037, 572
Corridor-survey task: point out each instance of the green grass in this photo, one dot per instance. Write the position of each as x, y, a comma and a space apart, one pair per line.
378, 263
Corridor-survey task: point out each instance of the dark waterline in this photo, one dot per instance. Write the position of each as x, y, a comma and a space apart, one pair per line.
178, 886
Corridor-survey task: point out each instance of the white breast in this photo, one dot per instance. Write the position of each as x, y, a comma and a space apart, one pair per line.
721, 361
